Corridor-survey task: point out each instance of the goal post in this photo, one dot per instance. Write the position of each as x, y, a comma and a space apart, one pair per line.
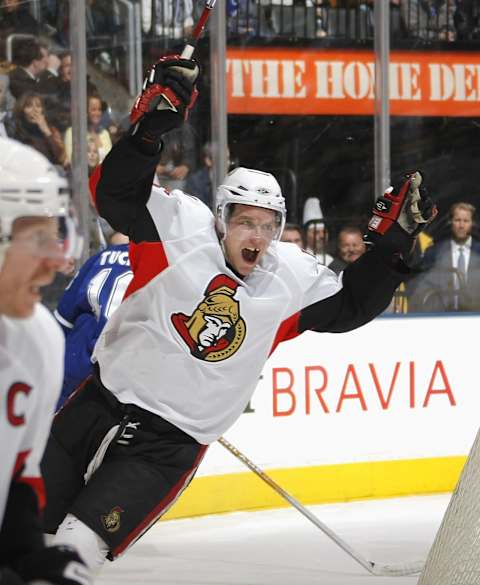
454, 558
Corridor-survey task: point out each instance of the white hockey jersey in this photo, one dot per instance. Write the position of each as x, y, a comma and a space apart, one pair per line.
190, 344
31, 366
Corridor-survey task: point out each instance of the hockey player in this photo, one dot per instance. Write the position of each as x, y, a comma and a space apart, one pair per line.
210, 299
33, 210
86, 305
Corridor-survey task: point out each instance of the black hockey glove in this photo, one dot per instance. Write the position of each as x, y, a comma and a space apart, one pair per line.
56, 565
403, 212
168, 94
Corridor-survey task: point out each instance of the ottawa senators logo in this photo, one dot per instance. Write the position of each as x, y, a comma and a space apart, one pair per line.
111, 521
215, 330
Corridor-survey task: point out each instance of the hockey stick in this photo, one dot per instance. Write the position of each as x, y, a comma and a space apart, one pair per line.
197, 31
372, 567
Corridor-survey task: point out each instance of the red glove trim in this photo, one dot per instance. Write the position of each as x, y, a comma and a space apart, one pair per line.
143, 104
388, 208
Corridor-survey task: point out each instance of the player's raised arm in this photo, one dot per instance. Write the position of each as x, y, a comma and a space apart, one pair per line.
121, 186
370, 282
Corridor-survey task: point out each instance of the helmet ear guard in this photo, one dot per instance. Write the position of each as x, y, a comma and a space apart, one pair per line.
250, 187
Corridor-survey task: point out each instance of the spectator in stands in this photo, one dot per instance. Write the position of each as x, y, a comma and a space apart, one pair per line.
316, 233
65, 67
49, 76
6, 104
30, 63
31, 127
102, 19
95, 129
350, 246
321, 18
466, 18
316, 240
177, 158
173, 18
59, 93
200, 181
450, 277
55, 19
291, 18
428, 19
242, 17
15, 17
93, 156
169, 18
102, 23
293, 233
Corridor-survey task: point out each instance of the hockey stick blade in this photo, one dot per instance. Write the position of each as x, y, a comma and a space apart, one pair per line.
396, 570
377, 569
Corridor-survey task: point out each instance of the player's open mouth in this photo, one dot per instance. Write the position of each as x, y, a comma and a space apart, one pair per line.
250, 255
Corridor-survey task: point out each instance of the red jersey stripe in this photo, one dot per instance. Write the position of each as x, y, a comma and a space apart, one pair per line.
37, 485
288, 330
147, 260
20, 462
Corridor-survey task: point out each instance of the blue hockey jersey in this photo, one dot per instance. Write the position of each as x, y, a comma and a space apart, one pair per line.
86, 305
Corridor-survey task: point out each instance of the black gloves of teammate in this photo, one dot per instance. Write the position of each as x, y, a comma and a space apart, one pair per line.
167, 96
404, 211
56, 565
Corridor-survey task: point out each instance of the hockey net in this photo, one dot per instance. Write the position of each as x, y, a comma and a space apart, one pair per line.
454, 558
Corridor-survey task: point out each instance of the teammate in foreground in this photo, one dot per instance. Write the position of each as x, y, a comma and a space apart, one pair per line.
33, 210
210, 299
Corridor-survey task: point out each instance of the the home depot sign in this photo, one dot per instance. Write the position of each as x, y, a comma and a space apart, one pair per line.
308, 82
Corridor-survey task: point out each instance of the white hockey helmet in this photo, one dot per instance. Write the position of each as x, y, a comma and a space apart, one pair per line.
250, 187
30, 186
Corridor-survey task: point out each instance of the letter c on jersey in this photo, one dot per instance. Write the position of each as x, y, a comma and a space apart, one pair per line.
14, 418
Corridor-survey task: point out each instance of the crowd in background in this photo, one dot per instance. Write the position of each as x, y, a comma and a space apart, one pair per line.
35, 104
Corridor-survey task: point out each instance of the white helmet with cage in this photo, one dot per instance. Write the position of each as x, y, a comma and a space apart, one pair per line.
250, 187
30, 186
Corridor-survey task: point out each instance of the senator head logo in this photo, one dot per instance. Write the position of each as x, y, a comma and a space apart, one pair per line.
111, 521
215, 330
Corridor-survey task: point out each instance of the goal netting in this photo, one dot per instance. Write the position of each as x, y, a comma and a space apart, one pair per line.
454, 558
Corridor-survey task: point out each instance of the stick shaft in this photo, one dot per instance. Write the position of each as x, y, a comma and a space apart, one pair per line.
202, 21
197, 31
371, 567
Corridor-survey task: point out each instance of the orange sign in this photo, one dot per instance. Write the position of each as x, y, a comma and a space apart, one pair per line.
310, 81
